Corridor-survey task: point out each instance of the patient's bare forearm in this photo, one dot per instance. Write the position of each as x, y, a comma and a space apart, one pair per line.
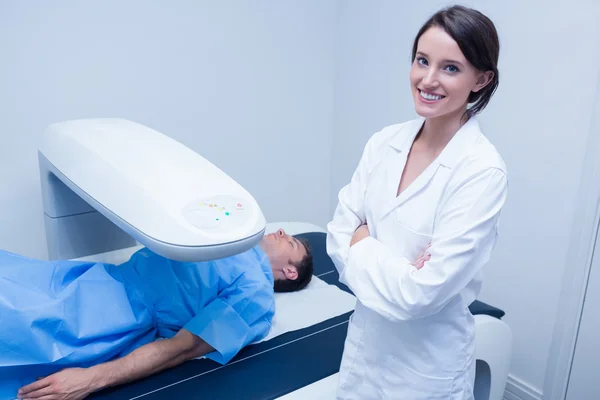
150, 359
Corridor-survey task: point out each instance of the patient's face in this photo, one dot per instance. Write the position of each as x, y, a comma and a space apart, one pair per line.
283, 251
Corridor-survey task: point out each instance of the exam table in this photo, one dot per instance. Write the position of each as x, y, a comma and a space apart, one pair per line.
303, 364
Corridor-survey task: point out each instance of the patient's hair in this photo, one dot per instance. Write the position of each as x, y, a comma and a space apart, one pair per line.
305, 272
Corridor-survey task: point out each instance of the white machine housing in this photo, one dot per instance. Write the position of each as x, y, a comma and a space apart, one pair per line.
110, 183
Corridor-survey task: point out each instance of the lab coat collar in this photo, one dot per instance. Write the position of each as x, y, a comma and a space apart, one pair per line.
453, 151
403, 143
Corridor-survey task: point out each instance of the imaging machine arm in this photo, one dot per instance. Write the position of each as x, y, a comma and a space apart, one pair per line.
107, 183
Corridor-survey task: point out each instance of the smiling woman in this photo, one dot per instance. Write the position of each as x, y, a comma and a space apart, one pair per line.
449, 62
418, 221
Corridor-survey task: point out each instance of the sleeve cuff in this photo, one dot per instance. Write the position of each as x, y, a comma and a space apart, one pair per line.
365, 252
372, 272
221, 327
360, 255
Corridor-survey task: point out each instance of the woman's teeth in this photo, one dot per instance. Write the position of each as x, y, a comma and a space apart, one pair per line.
428, 96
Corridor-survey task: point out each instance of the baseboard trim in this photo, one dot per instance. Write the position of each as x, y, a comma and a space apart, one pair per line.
516, 389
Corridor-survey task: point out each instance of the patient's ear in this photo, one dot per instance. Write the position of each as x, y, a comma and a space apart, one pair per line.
291, 272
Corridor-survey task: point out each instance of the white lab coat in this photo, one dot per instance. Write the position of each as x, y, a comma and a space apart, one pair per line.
411, 336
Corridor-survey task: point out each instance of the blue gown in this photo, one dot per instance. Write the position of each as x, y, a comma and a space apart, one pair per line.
55, 315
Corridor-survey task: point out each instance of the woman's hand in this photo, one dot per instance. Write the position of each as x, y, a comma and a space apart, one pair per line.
423, 257
360, 233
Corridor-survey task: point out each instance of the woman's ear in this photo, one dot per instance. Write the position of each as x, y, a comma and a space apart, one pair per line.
291, 272
483, 80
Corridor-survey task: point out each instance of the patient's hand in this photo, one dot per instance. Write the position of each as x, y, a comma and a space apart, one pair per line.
360, 233
68, 384
153, 357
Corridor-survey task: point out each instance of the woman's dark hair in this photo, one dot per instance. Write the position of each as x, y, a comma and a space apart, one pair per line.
477, 39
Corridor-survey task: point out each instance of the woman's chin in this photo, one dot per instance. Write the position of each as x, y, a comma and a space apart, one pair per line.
426, 111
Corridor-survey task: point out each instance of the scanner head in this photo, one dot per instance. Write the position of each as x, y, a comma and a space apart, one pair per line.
109, 183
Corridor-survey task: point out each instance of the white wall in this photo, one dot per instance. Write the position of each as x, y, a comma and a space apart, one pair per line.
247, 84
539, 120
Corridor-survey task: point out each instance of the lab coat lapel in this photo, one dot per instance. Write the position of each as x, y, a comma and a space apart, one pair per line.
395, 164
417, 185
450, 155
394, 167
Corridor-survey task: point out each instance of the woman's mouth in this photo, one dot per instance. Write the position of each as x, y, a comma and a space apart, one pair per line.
428, 97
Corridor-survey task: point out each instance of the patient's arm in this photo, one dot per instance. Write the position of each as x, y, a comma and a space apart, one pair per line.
77, 383
151, 358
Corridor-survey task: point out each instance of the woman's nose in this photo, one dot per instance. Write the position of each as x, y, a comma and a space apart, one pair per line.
430, 78
281, 232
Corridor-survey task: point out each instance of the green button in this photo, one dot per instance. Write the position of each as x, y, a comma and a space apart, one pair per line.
226, 213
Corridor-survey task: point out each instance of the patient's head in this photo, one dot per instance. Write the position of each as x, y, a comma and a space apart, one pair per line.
291, 260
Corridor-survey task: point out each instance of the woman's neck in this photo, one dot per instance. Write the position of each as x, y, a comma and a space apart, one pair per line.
437, 132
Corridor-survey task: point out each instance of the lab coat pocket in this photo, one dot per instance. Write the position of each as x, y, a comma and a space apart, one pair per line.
353, 352
401, 382
410, 243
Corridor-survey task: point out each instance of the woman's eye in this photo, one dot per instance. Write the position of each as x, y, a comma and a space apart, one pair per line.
451, 68
421, 61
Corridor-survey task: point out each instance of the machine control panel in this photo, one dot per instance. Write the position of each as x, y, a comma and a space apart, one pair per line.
217, 212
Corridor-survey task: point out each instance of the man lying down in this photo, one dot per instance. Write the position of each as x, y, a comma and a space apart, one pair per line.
84, 326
